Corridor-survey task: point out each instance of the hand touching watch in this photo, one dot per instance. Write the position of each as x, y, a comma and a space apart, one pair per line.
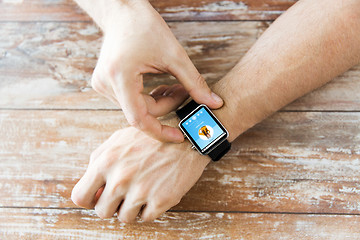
137, 41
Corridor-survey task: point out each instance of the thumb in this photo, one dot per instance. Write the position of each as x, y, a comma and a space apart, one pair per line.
187, 74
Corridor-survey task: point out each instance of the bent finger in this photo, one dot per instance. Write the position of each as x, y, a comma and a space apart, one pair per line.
109, 201
129, 210
159, 90
84, 192
168, 101
129, 91
164, 133
153, 211
103, 87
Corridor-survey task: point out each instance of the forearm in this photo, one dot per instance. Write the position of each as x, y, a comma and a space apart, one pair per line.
104, 12
306, 47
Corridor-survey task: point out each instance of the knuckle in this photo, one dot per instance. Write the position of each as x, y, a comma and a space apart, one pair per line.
127, 217
161, 202
102, 212
79, 199
102, 76
76, 197
118, 69
137, 122
110, 157
121, 182
151, 215
199, 85
199, 80
96, 84
140, 193
147, 217
112, 70
97, 173
120, 186
110, 154
93, 156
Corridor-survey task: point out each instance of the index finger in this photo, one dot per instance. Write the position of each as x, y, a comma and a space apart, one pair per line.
128, 90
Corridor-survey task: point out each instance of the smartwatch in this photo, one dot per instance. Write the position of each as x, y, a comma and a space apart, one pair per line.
205, 132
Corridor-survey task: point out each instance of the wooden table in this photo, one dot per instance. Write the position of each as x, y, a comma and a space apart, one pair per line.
293, 176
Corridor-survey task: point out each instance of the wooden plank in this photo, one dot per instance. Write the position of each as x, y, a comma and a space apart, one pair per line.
60, 59
55, 61
292, 162
178, 10
79, 224
221, 10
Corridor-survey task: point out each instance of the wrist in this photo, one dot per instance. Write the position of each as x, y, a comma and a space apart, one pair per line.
193, 154
237, 113
107, 12
235, 122
122, 11
172, 120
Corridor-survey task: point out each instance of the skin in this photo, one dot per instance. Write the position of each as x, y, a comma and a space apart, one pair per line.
134, 46
309, 45
144, 172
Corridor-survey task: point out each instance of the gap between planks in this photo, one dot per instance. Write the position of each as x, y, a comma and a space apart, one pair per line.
199, 211
69, 224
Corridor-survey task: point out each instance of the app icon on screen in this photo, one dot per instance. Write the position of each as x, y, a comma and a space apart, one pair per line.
206, 132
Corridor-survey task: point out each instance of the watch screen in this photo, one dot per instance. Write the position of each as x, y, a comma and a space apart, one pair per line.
203, 129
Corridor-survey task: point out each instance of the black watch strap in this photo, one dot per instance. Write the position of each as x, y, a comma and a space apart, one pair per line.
220, 150
217, 153
187, 109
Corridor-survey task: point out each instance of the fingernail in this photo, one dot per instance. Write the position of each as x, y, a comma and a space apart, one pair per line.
216, 98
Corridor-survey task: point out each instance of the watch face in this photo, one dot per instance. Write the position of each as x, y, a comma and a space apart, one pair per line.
203, 129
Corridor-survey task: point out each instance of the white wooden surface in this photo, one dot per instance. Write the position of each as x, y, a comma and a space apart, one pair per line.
293, 176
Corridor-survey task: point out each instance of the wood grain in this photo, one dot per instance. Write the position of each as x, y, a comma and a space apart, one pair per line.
69, 224
178, 10
55, 61
294, 176
292, 162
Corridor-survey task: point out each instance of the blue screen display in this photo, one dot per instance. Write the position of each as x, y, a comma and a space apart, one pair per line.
202, 128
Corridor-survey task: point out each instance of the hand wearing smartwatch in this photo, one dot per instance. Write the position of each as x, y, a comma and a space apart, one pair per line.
132, 170
206, 133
